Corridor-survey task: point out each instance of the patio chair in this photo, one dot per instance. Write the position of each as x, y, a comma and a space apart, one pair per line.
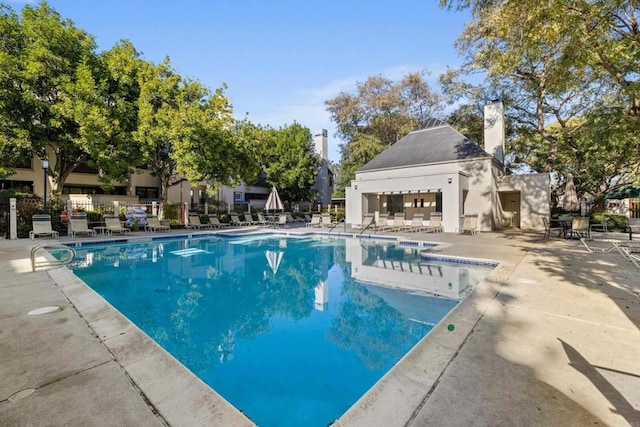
566, 221
193, 221
315, 221
78, 225
548, 229
600, 226
214, 222
153, 224
112, 225
580, 227
469, 225
42, 227
416, 223
435, 223
235, 220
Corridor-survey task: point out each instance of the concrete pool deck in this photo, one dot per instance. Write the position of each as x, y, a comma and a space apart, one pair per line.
551, 337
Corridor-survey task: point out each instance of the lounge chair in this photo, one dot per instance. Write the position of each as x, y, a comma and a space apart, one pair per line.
262, 220
153, 224
470, 225
381, 223
435, 223
398, 223
315, 221
112, 225
415, 224
78, 225
193, 221
214, 222
368, 222
282, 221
292, 220
249, 218
235, 220
630, 250
42, 227
325, 220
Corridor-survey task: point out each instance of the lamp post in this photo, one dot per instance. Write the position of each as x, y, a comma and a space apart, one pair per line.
45, 166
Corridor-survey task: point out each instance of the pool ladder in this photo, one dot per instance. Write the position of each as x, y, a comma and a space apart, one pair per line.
71, 254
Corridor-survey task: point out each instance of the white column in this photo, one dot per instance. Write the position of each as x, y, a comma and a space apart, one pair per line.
13, 219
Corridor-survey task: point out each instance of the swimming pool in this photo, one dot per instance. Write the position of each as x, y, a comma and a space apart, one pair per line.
287, 329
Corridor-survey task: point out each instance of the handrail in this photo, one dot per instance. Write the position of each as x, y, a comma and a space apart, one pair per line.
335, 225
63, 261
367, 226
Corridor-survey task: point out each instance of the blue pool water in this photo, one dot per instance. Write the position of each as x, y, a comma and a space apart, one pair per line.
292, 331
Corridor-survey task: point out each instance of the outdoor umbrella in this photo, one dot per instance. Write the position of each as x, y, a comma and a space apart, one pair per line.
570, 201
273, 202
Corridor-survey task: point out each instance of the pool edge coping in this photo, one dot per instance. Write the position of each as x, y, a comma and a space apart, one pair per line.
116, 332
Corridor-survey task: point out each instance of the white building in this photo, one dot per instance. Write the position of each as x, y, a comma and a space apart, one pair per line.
437, 169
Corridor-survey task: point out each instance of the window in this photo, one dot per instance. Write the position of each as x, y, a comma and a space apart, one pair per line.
237, 196
85, 168
148, 193
26, 186
25, 164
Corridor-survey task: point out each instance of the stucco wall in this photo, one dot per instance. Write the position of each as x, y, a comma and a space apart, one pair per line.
479, 198
535, 196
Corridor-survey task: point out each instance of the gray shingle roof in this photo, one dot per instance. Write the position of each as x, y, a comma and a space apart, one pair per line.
436, 144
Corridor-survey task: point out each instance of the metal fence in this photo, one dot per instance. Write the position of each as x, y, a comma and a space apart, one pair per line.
60, 212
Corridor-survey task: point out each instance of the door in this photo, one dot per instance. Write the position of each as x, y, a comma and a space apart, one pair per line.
510, 202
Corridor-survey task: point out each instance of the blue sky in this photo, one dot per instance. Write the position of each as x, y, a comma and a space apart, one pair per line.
280, 60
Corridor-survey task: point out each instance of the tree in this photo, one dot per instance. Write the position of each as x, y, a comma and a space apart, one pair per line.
41, 58
377, 116
557, 67
185, 133
285, 155
290, 162
104, 103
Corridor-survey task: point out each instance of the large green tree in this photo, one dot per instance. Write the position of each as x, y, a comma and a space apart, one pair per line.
285, 155
41, 59
115, 111
556, 66
377, 115
184, 131
104, 104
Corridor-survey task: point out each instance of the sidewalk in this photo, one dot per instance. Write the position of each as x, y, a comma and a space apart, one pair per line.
551, 338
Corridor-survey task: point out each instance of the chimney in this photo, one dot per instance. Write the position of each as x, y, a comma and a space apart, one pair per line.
321, 144
494, 129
